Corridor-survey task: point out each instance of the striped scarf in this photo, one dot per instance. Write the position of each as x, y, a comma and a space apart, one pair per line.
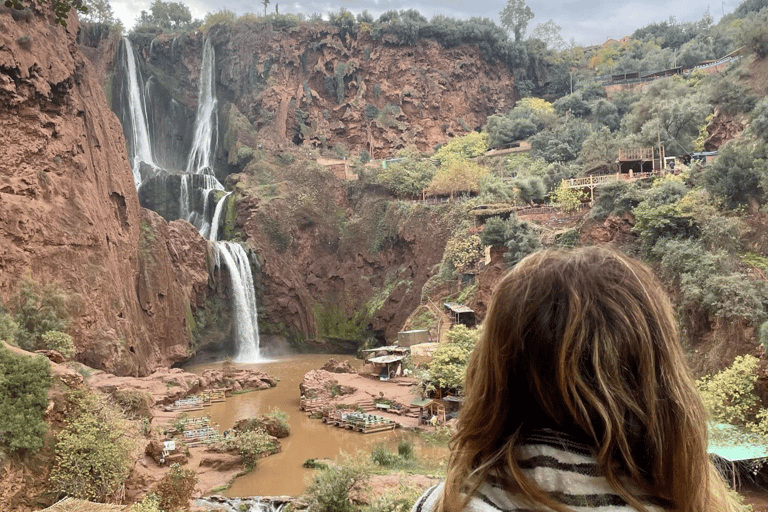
562, 467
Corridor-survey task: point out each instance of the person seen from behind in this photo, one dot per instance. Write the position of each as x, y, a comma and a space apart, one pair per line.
579, 398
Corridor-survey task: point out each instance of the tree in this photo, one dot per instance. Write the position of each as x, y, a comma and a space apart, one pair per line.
166, 15
175, 489
521, 240
448, 366
456, 177
99, 11
265, 3
515, 17
61, 8
24, 383
549, 34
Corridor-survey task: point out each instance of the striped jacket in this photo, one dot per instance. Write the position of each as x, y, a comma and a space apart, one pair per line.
562, 467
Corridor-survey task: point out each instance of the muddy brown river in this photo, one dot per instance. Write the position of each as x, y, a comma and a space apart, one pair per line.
282, 474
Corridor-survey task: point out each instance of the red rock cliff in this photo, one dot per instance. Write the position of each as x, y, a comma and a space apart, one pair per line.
69, 211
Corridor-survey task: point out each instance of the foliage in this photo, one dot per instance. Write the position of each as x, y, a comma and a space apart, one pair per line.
530, 189
405, 449
659, 214
252, 445
149, 503
515, 17
738, 174
759, 124
462, 251
24, 383
568, 198
729, 395
409, 177
381, 456
58, 341
521, 240
333, 322
461, 148
224, 16
448, 366
38, 309
99, 11
93, 452
329, 490
400, 500
133, 403
280, 419
457, 176
176, 487
172, 16
562, 143
9, 329
549, 33
493, 232
61, 8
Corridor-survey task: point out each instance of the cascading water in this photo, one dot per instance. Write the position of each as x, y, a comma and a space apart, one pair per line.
140, 146
244, 299
214, 234
200, 159
197, 183
241, 504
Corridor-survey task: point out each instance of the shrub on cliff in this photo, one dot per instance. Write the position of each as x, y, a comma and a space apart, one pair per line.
59, 341
38, 309
93, 452
24, 384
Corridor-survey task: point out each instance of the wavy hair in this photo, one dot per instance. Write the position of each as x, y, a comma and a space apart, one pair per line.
584, 342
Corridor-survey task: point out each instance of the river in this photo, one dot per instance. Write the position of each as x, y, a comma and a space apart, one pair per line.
282, 474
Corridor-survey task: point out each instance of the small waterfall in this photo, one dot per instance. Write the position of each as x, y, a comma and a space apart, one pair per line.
254, 504
214, 234
200, 159
141, 148
184, 206
243, 297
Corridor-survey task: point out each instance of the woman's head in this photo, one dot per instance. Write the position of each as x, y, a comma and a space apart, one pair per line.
585, 342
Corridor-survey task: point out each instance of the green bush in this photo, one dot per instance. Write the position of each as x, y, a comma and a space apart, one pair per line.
61, 342
252, 445
244, 155
24, 383
280, 418
93, 452
149, 503
38, 309
9, 329
381, 456
405, 449
175, 489
729, 395
329, 489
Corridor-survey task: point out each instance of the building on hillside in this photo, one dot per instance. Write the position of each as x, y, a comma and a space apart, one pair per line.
460, 314
705, 157
641, 161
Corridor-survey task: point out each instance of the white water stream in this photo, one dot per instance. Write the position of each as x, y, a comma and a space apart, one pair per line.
197, 183
141, 148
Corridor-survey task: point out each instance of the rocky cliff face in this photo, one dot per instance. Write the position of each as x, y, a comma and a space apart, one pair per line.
69, 211
308, 85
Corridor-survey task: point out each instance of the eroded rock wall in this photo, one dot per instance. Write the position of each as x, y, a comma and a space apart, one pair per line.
69, 211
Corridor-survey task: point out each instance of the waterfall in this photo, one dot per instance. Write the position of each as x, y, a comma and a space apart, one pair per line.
197, 184
200, 159
254, 504
243, 297
141, 148
214, 234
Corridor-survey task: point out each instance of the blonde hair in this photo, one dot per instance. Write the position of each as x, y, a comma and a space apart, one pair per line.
585, 342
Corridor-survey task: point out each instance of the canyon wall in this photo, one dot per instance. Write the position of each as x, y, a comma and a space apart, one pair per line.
69, 212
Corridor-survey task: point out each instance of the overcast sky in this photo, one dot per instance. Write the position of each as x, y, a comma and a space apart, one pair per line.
585, 21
